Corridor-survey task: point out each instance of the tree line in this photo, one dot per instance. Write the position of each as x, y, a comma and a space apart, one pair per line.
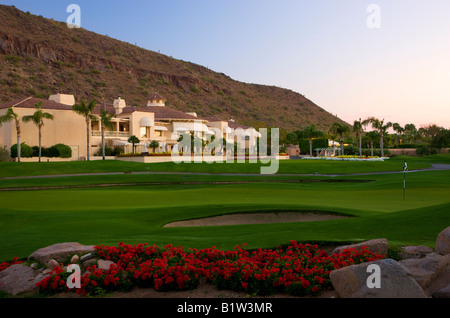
373, 132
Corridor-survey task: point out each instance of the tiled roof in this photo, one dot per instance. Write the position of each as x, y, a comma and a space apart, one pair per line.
212, 119
156, 96
235, 125
161, 113
30, 102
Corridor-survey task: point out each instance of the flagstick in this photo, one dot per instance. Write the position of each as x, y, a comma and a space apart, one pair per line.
405, 167
404, 184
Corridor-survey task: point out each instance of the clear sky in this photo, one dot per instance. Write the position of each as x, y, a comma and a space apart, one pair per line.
324, 49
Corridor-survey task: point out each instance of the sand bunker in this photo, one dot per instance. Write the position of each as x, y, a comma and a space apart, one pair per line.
257, 218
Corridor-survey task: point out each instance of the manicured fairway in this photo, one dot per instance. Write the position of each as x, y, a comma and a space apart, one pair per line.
12, 169
136, 214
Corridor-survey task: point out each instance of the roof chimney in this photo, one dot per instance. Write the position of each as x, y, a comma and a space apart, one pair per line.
63, 99
119, 104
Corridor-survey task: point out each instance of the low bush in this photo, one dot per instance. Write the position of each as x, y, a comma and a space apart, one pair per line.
109, 151
426, 150
409, 146
25, 151
376, 152
4, 154
63, 151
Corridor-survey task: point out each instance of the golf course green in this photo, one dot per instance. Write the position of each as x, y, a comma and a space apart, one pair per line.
114, 206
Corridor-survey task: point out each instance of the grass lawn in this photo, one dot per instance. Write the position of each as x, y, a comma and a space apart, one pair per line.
136, 214
14, 169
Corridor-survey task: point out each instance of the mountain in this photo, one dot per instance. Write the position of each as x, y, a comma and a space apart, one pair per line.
40, 57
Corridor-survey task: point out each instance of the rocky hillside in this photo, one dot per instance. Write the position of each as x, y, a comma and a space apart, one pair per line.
40, 57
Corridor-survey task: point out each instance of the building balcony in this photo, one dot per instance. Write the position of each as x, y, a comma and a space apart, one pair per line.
109, 134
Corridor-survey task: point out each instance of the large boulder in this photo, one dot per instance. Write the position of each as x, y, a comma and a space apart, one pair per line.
425, 270
19, 278
419, 251
443, 242
379, 246
60, 252
395, 281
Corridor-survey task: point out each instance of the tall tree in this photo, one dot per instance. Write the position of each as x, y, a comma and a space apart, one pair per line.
399, 130
429, 131
340, 130
105, 123
441, 140
410, 132
86, 109
381, 127
370, 138
12, 116
358, 129
38, 119
311, 132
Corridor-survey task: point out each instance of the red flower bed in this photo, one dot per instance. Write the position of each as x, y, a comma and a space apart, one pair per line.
299, 270
5, 265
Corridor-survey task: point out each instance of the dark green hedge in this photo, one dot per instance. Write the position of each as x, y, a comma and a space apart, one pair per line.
25, 151
317, 143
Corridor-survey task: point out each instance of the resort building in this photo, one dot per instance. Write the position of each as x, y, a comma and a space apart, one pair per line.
151, 122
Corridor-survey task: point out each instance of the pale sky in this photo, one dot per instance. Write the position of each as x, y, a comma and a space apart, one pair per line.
323, 49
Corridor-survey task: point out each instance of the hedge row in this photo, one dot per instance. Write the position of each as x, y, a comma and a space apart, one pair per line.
56, 151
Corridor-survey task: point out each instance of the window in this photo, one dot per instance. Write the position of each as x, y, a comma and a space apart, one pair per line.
143, 132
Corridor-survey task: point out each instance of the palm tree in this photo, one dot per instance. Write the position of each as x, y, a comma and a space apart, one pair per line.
410, 131
358, 129
9, 116
86, 111
38, 119
429, 131
311, 132
371, 136
133, 140
399, 130
154, 144
105, 122
340, 130
381, 127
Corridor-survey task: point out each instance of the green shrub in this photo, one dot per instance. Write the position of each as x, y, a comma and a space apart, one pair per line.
317, 143
426, 150
56, 151
50, 152
64, 151
36, 151
109, 151
25, 151
376, 152
4, 154
403, 146
351, 150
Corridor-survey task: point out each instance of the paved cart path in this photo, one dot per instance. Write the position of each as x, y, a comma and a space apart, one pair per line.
432, 168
